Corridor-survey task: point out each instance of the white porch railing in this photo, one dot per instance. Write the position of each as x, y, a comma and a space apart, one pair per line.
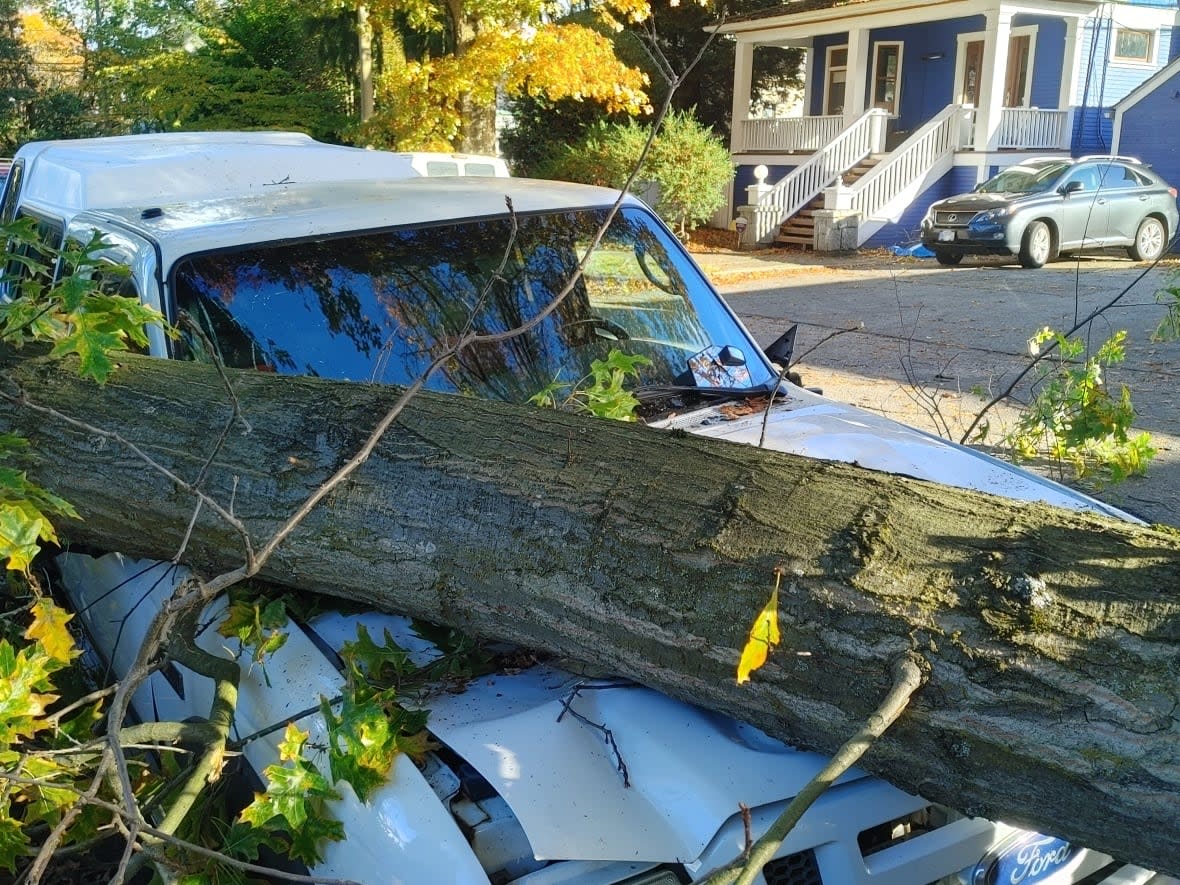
1034, 129
801, 185
787, 134
899, 177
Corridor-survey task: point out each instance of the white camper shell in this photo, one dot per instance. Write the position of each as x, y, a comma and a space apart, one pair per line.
55, 180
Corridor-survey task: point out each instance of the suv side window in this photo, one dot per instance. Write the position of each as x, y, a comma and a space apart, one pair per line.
1087, 175
1113, 178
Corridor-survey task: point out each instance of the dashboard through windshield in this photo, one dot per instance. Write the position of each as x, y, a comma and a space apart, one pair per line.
383, 306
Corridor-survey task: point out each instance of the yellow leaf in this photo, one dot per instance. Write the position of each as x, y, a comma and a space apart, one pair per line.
763, 636
49, 628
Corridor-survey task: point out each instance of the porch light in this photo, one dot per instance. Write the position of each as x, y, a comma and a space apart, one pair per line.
760, 173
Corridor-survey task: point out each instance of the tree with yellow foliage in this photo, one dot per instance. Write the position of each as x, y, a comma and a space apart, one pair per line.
446, 100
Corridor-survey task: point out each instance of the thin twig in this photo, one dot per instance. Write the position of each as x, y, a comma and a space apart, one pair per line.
907, 678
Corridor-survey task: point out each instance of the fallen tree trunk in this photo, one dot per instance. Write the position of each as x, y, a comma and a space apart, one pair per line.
1052, 638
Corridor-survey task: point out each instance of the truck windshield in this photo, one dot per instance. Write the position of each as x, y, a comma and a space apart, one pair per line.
382, 306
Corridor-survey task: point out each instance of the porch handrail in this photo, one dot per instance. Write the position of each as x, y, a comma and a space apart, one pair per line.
787, 134
932, 145
803, 183
1034, 128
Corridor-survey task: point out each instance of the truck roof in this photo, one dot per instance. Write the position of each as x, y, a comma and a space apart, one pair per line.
88, 173
319, 209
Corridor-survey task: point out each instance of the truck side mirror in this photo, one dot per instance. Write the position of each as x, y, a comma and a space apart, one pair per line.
782, 348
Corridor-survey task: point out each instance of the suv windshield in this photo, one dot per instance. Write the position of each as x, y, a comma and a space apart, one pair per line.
1024, 179
380, 307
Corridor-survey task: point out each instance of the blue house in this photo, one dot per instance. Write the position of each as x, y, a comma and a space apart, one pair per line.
909, 101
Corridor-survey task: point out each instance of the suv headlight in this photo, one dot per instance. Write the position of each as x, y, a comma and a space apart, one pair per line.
998, 214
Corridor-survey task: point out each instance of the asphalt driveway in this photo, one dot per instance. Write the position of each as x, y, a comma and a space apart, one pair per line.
932, 344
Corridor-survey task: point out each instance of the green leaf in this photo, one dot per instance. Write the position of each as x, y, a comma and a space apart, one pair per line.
24, 675
258, 623
93, 348
13, 843
382, 663
293, 809
362, 742
243, 841
20, 531
289, 787
306, 841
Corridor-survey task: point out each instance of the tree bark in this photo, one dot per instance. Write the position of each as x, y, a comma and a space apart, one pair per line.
364, 61
1052, 639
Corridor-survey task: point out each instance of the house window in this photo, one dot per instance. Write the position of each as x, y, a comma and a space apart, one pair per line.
837, 79
886, 76
1134, 46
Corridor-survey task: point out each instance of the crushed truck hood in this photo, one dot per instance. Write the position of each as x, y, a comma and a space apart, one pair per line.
659, 793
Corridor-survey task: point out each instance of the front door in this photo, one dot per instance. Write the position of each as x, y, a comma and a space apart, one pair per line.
972, 66
1016, 77
837, 81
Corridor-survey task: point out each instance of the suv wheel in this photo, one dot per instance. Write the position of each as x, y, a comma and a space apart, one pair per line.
1037, 245
942, 256
1149, 240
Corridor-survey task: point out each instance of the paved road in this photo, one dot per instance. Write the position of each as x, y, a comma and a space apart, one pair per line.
952, 330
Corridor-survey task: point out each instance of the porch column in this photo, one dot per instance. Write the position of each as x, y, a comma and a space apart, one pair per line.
1070, 73
743, 72
1070, 69
857, 74
991, 85
809, 64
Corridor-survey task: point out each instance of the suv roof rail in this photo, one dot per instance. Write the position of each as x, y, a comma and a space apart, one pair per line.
1111, 157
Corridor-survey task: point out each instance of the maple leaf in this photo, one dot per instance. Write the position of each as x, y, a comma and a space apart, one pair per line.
363, 739
22, 675
19, 533
49, 628
92, 347
13, 843
764, 635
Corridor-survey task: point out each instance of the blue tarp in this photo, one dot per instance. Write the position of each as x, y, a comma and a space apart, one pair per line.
915, 251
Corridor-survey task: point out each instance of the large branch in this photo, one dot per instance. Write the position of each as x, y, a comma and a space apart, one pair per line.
1053, 638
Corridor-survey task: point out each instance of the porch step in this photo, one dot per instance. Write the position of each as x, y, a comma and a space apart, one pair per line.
799, 229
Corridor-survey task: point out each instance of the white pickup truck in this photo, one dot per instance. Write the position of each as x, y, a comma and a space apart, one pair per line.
362, 280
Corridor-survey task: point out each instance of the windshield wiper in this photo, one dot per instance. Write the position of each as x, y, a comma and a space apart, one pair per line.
649, 393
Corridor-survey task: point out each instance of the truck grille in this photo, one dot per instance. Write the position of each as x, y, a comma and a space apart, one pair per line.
953, 219
795, 869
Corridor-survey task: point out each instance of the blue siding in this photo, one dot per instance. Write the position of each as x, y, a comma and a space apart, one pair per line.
958, 180
1093, 131
744, 177
1103, 81
1149, 130
819, 69
1048, 59
927, 83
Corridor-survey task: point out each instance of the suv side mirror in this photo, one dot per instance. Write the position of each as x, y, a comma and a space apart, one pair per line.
1071, 187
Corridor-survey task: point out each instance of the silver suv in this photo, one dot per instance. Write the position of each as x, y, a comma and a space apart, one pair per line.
1043, 208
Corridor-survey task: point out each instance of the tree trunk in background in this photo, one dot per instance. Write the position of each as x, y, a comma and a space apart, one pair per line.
1052, 638
477, 134
364, 61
